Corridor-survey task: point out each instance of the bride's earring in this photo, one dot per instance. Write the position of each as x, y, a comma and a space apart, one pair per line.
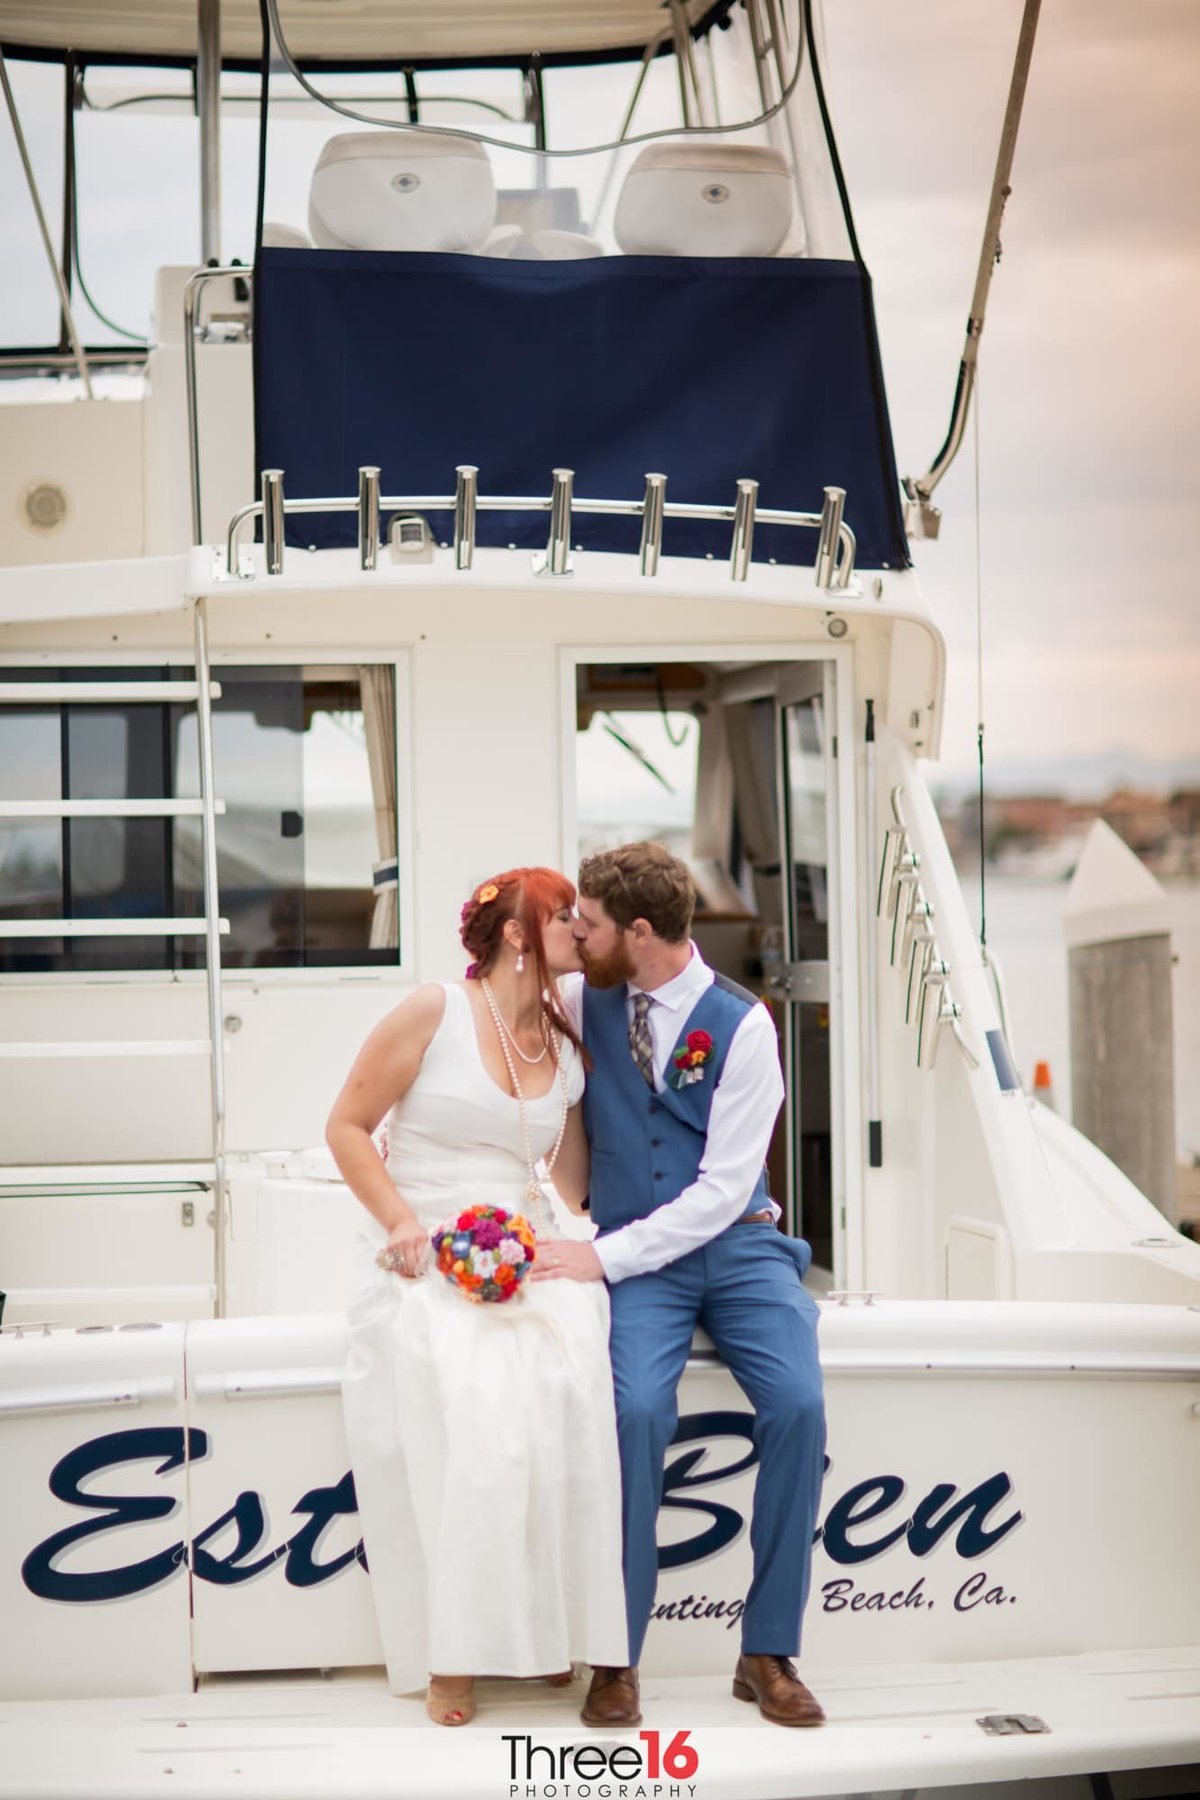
520, 962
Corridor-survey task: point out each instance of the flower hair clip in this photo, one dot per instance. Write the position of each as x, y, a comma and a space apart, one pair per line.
484, 897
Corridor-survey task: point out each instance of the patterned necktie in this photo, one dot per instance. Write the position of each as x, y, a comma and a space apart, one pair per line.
640, 1041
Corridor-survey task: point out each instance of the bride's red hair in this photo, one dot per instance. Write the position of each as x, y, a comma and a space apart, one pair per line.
531, 897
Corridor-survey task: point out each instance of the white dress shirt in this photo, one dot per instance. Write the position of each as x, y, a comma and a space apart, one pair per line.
745, 1104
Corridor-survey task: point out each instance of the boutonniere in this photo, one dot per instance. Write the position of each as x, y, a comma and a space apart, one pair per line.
691, 1059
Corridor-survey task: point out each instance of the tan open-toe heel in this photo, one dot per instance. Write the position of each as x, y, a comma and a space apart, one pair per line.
560, 1681
450, 1699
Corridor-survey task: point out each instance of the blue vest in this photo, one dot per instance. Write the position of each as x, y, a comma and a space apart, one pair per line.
646, 1146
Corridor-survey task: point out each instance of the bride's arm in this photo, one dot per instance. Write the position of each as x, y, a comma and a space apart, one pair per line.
572, 1167
384, 1070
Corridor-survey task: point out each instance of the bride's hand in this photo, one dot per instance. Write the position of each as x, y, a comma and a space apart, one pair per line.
407, 1249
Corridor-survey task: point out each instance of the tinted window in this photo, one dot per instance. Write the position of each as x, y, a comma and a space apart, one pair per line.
298, 759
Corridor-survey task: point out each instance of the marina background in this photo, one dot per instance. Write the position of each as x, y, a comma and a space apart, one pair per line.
1085, 414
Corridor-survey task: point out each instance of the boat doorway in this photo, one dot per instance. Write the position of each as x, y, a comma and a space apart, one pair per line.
731, 765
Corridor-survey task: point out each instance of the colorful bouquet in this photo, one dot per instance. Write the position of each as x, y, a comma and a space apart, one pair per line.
485, 1252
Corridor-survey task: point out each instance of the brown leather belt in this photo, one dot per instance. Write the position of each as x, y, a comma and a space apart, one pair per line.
765, 1217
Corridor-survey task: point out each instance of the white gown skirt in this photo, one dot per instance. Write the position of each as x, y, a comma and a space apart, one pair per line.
483, 1443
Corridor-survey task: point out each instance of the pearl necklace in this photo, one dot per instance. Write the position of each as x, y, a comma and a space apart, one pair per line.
543, 1226
507, 1033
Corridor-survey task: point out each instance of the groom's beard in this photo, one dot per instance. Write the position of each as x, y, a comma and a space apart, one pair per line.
609, 971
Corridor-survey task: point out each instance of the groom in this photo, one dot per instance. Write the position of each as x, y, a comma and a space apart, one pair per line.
680, 1105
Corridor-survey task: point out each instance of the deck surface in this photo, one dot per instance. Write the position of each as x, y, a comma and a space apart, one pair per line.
292, 1737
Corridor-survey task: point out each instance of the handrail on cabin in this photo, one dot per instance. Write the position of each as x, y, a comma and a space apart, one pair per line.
833, 567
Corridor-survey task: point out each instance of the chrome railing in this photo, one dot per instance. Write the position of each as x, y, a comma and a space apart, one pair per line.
191, 302
836, 543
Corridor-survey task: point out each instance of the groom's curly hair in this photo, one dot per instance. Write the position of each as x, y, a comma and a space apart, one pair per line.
642, 881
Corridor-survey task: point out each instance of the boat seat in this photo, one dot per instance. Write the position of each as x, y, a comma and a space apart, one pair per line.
277, 236
390, 190
500, 240
552, 246
683, 198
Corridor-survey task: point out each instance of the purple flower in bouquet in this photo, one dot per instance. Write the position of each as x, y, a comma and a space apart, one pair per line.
488, 1235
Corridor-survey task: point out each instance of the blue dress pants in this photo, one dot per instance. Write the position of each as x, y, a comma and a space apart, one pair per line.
744, 1288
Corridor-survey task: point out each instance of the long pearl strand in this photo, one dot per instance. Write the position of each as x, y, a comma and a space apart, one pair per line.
543, 1226
506, 1030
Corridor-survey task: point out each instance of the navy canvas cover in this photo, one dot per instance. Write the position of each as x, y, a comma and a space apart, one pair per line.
703, 368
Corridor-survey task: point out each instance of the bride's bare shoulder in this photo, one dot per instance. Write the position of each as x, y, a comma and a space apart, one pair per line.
418, 1015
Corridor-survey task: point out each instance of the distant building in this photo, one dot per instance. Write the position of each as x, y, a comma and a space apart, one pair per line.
1142, 820
1023, 830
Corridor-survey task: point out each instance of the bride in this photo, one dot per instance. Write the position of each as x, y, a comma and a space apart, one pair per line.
482, 1436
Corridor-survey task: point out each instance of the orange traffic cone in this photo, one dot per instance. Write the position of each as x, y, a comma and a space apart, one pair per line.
1043, 1087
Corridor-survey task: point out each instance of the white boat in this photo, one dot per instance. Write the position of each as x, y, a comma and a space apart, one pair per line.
558, 414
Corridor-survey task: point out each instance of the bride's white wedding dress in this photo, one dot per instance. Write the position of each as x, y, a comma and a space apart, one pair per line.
482, 1437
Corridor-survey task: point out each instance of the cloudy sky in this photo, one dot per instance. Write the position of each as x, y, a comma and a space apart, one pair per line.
1090, 369
1090, 374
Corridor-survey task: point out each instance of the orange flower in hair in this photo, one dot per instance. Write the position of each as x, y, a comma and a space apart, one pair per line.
487, 893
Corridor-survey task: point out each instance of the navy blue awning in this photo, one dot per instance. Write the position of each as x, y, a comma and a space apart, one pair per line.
704, 368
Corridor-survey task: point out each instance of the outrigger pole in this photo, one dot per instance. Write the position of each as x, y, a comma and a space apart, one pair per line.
922, 517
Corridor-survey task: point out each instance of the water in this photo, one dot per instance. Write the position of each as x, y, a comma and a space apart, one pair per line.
1024, 926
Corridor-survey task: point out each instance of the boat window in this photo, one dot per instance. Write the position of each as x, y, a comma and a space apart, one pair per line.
137, 172
305, 763
29, 316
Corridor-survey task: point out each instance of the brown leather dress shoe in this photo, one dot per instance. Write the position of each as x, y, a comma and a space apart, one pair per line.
772, 1682
613, 1698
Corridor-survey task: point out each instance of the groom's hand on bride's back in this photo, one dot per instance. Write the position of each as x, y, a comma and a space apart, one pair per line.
561, 1260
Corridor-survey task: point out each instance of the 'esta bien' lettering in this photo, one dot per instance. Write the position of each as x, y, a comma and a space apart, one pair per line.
847, 1534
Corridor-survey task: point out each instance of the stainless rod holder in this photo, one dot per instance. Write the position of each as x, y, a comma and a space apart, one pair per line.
743, 530
845, 568
558, 545
466, 492
368, 518
907, 880
895, 844
272, 517
652, 523
937, 973
830, 538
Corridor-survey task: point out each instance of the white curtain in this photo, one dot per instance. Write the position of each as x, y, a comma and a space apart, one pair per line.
379, 720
